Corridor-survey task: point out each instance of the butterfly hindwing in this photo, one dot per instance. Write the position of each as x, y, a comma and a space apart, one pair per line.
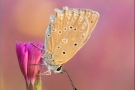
68, 31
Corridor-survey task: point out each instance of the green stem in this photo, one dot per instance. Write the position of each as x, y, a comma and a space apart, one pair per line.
38, 82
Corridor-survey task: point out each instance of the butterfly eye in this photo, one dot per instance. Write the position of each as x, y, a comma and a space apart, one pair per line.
58, 46
59, 68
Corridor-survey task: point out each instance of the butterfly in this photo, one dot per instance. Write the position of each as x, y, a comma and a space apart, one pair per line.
67, 32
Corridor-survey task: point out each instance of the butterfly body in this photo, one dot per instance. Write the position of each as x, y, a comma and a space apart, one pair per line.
68, 31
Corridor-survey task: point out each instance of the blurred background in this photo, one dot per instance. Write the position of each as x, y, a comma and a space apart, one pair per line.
106, 62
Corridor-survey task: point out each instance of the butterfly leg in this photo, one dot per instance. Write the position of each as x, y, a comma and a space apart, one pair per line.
46, 72
38, 64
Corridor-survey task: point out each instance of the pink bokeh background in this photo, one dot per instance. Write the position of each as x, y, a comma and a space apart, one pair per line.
106, 62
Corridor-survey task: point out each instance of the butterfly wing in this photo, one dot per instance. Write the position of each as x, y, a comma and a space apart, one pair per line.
68, 31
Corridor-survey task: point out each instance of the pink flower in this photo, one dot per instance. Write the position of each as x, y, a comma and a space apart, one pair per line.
27, 55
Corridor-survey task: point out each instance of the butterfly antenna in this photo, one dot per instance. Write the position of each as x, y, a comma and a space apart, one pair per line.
70, 80
38, 47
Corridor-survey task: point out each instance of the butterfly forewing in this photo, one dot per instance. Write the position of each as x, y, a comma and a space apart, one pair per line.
67, 33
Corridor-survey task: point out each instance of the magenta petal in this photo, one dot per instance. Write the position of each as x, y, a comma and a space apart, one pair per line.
27, 55
22, 58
